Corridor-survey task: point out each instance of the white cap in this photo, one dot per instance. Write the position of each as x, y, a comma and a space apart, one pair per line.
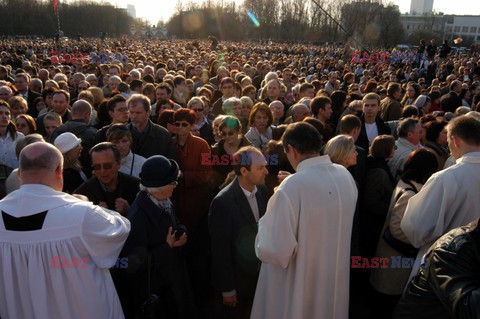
66, 142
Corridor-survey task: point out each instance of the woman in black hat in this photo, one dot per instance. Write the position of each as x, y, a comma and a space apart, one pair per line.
154, 243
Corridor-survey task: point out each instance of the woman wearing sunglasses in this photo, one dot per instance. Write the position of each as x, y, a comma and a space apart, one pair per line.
232, 139
203, 126
191, 200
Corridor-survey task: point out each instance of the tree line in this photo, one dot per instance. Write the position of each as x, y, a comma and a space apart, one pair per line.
88, 18
370, 22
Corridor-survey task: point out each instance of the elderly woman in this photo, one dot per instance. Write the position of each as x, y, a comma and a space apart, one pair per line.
260, 121
341, 150
202, 126
130, 164
378, 188
191, 199
233, 106
156, 264
232, 140
278, 113
390, 282
25, 124
71, 148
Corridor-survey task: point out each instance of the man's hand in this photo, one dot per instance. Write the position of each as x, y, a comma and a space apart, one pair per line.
121, 205
282, 175
230, 301
172, 241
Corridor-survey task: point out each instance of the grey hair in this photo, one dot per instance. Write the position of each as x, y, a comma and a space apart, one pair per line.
149, 190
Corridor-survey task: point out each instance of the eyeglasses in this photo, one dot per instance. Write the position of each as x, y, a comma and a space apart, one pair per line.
182, 124
229, 133
174, 184
105, 166
198, 110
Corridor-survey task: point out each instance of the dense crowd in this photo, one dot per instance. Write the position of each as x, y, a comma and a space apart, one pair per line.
189, 140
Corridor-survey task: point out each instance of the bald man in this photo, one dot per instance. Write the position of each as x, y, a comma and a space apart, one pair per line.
56, 249
80, 126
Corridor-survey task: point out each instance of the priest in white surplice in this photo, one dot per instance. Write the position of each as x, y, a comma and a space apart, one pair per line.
303, 239
55, 249
450, 198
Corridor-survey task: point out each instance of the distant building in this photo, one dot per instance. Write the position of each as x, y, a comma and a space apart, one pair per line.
132, 11
466, 27
421, 7
427, 23
443, 26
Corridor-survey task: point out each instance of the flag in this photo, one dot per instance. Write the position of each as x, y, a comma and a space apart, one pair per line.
458, 40
55, 2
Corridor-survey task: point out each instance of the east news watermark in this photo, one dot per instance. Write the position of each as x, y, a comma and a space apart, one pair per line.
394, 262
59, 262
242, 159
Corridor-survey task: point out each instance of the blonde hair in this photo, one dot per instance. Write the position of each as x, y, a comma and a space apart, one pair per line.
339, 148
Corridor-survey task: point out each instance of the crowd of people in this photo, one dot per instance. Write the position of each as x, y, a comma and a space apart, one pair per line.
236, 180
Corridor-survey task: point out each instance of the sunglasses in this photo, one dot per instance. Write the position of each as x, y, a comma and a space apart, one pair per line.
105, 166
182, 124
198, 110
229, 133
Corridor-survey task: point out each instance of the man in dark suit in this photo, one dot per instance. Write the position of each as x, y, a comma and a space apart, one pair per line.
453, 99
148, 138
22, 80
233, 218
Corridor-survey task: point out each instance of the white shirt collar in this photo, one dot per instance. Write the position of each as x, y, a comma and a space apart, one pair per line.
247, 193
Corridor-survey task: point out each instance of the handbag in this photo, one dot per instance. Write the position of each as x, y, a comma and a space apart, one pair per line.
151, 306
404, 248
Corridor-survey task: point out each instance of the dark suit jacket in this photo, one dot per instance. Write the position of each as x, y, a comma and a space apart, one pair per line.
157, 141
206, 132
362, 140
149, 227
217, 107
450, 101
233, 229
128, 187
31, 97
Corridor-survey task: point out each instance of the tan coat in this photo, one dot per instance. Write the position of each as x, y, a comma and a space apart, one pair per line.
390, 109
392, 281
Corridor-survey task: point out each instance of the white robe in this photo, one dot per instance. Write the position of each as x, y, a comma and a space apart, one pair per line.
33, 285
303, 242
449, 199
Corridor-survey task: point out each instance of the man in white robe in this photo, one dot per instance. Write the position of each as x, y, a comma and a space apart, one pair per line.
303, 239
56, 250
451, 197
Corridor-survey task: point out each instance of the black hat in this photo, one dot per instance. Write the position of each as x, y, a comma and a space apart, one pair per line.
158, 171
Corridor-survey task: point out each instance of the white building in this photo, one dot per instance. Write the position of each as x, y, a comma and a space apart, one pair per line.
421, 7
465, 27
132, 11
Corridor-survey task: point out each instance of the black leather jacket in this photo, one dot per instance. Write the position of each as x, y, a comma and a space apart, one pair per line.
449, 285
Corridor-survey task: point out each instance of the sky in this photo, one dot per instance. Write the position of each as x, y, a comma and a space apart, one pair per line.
154, 10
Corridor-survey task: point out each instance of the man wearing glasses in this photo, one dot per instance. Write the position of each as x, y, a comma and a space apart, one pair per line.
108, 187
148, 138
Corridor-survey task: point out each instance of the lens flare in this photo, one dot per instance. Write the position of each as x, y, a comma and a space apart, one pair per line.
253, 18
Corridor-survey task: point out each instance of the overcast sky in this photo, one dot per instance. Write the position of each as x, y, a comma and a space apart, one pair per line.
154, 10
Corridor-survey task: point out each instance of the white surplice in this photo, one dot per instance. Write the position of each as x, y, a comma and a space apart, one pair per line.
304, 243
33, 285
449, 199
